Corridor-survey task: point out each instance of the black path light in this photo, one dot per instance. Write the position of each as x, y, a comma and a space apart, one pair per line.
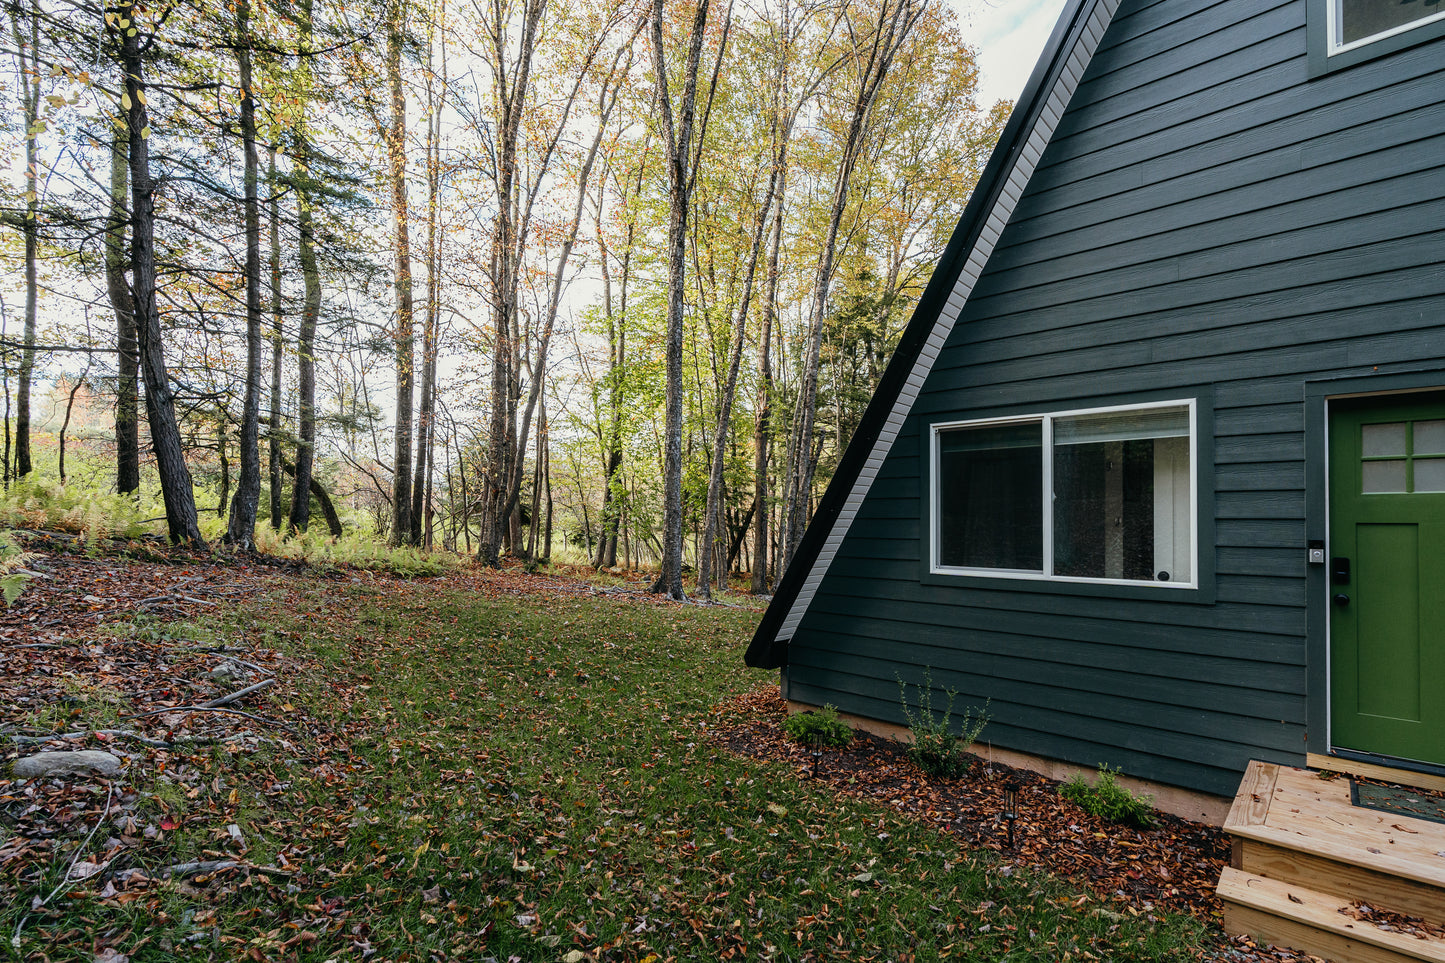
818, 742
1011, 808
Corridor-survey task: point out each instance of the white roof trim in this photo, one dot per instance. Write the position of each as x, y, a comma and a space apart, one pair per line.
1026, 158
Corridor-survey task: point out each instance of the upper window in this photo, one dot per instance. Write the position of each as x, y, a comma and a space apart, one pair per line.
1118, 484
1354, 23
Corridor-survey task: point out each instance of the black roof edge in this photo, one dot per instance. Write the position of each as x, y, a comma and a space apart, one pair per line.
766, 651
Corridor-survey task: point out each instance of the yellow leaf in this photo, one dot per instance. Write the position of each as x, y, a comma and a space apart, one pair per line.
145, 132
130, 32
125, 101
140, 95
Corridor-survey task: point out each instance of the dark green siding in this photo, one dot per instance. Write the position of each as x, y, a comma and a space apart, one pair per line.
1208, 221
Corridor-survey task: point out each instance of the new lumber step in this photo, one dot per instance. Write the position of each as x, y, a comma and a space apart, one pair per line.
1288, 914
1291, 825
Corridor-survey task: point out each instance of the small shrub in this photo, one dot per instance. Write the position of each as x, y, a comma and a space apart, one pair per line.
1109, 800
936, 748
823, 725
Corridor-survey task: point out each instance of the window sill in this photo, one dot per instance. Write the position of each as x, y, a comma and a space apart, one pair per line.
1201, 593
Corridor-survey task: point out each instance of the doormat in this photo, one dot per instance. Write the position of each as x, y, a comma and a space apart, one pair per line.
1398, 799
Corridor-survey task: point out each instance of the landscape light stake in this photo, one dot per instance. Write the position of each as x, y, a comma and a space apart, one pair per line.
1011, 808
817, 741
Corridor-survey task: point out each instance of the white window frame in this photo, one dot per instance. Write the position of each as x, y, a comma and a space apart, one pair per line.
1334, 46
1046, 422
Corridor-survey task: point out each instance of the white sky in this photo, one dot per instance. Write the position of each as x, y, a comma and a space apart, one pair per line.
1009, 35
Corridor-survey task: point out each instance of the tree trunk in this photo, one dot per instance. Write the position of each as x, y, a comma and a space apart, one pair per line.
401, 273
545, 444
175, 478
273, 431
512, 83
224, 456
27, 53
328, 510
762, 432
127, 428
514, 211
682, 155
421, 483
65, 425
300, 516
715, 531
612, 502
241, 527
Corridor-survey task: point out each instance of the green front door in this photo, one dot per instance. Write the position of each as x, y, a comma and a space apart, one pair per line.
1387, 577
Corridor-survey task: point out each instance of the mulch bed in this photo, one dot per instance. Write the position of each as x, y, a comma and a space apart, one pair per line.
1173, 866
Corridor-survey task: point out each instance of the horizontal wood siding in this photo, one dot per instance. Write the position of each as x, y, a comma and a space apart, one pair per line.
1206, 222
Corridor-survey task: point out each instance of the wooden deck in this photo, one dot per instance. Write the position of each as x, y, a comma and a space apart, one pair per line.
1305, 859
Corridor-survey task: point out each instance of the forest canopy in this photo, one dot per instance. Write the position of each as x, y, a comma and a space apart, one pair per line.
610, 280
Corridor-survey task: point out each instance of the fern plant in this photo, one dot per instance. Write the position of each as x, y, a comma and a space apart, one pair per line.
13, 574
819, 727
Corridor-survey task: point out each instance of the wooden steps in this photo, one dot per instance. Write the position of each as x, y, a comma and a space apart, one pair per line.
1305, 858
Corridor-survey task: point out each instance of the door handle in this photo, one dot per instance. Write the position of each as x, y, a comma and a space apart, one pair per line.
1342, 599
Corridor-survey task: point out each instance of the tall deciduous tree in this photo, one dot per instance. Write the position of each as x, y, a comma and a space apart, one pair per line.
682, 137
27, 44
273, 418
436, 92
404, 324
520, 177
873, 45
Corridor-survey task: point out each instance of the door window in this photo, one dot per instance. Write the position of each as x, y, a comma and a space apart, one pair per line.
1402, 457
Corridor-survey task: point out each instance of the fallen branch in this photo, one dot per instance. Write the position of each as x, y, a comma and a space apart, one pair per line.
238, 694
207, 866
235, 712
120, 734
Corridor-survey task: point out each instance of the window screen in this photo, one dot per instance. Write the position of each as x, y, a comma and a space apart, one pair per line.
1121, 484
991, 497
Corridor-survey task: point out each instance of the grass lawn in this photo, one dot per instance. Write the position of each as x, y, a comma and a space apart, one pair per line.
528, 776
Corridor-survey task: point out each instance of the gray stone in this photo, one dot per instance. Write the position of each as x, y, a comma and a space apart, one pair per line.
66, 764
227, 671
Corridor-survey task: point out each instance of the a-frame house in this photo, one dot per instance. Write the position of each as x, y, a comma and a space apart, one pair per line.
1158, 467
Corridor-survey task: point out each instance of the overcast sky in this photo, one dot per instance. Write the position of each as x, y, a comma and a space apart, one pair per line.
1009, 35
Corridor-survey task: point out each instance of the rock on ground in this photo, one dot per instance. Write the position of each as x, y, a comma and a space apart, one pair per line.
66, 764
